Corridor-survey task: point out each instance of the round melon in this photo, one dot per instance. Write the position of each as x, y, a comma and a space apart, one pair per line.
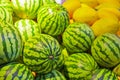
78, 37
53, 19
10, 43
5, 14
27, 28
15, 71
26, 8
80, 66
42, 54
104, 74
106, 50
53, 75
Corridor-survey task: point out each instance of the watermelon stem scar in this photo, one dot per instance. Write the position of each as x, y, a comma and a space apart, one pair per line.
51, 57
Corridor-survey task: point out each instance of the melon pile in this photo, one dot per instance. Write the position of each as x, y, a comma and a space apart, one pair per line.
38, 42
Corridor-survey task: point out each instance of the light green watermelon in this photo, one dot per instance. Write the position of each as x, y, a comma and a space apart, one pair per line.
10, 43
53, 19
45, 2
42, 54
53, 75
104, 74
80, 66
5, 14
78, 37
27, 28
106, 50
6, 4
26, 8
15, 71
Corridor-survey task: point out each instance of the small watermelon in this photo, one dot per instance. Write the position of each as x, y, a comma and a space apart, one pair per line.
15, 71
80, 66
10, 43
106, 50
53, 19
104, 74
53, 75
27, 28
26, 8
78, 37
42, 54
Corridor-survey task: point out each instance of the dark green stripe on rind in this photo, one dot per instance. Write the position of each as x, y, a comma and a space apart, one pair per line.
43, 52
105, 50
78, 37
15, 71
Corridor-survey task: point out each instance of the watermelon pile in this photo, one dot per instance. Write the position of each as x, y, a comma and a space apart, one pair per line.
38, 42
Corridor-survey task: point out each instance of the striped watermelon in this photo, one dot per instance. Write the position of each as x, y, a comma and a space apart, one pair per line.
80, 66
5, 14
78, 37
6, 4
106, 50
42, 54
10, 43
104, 74
116, 69
53, 18
15, 71
26, 8
53, 75
27, 28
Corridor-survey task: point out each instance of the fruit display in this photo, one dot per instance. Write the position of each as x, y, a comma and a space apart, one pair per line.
59, 39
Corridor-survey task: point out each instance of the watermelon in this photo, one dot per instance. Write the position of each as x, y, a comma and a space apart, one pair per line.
27, 28
104, 74
80, 66
5, 14
53, 19
42, 54
45, 2
106, 50
116, 69
15, 71
6, 4
78, 37
53, 75
26, 8
11, 43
